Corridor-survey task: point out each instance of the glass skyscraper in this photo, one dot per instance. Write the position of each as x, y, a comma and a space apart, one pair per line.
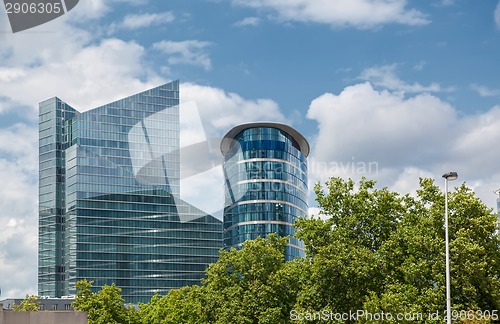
265, 170
109, 206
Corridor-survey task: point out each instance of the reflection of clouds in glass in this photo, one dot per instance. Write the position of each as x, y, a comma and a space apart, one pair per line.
153, 148
201, 177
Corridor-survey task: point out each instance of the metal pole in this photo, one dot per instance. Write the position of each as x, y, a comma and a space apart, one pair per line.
448, 293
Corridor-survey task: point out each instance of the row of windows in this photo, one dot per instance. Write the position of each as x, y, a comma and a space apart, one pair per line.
140, 108
257, 167
281, 229
151, 196
196, 228
94, 120
101, 189
140, 276
238, 190
263, 207
146, 263
123, 207
55, 104
299, 201
167, 253
100, 230
164, 237
107, 180
140, 260
300, 182
165, 136
49, 161
159, 249
46, 116
45, 132
146, 190
276, 134
132, 133
121, 219
135, 269
266, 133
234, 219
46, 140
161, 146
264, 145
267, 154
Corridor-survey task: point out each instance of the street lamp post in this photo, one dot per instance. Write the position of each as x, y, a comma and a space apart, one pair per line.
450, 176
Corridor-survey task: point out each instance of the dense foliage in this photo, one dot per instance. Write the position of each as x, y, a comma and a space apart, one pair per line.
372, 250
29, 304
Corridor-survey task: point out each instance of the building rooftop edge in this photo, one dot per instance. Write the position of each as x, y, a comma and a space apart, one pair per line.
231, 134
137, 93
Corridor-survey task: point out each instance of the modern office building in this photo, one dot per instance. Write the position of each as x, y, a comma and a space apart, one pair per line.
109, 205
265, 170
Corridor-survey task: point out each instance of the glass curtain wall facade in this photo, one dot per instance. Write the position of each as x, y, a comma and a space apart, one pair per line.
265, 170
109, 199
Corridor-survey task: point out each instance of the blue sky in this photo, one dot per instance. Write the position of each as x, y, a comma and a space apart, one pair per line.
388, 89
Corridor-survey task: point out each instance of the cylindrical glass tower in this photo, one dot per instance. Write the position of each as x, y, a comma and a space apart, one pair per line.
265, 170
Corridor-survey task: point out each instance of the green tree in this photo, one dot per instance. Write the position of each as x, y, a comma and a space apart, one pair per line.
182, 305
104, 307
29, 304
384, 252
342, 249
251, 285
413, 259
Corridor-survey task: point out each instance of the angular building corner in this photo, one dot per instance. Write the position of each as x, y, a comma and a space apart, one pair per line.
109, 206
265, 171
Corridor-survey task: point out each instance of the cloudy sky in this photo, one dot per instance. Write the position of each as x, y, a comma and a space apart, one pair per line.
388, 89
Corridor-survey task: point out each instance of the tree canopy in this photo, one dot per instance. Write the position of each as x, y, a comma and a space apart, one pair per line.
29, 304
372, 250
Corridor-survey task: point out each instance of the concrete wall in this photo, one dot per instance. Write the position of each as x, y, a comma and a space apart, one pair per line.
42, 317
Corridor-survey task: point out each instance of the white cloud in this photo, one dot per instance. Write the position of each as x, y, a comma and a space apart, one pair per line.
248, 21
340, 13
186, 52
221, 110
89, 10
484, 91
385, 76
378, 122
18, 206
497, 15
385, 136
108, 70
146, 20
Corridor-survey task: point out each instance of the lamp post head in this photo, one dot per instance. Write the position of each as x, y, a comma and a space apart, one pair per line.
450, 176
